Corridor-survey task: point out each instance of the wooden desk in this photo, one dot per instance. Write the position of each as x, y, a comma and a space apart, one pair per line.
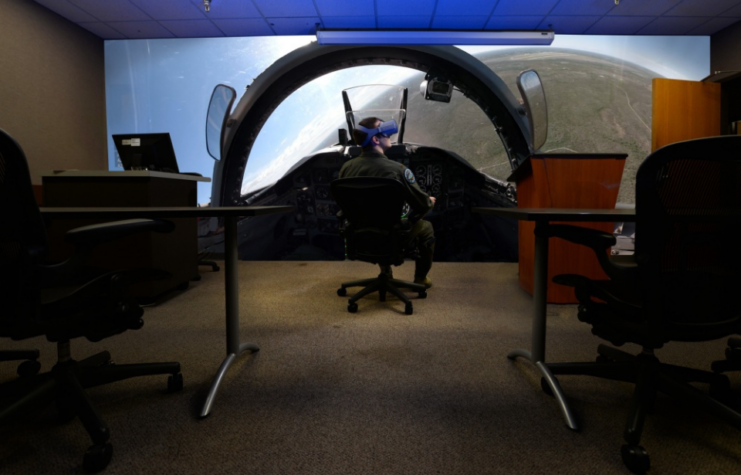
175, 252
231, 284
542, 217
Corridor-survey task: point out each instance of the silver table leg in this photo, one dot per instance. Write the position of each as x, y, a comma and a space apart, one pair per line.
231, 291
537, 353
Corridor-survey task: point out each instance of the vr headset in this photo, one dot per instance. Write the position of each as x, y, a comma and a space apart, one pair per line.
388, 128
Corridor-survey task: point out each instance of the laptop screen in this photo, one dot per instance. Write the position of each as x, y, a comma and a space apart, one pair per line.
146, 152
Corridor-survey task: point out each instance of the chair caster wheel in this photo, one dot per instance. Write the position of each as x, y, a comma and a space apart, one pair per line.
175, 383
183, 285
635, 458
545, 387
97, 457
422, 294
342, 291
28, 368
352, 307
409, 309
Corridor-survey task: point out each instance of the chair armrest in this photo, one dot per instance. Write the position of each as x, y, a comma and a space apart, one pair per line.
105, 232
620, 270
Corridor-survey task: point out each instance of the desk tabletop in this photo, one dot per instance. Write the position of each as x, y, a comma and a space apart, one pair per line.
560, 214
162, 212
113, 174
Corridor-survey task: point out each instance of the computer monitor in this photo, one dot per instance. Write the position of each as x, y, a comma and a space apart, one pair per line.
146, 152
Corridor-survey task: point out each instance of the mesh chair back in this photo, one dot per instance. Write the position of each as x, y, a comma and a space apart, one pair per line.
22, 233
688, 226
372, 208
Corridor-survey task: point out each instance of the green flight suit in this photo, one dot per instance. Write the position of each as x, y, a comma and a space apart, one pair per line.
375, 164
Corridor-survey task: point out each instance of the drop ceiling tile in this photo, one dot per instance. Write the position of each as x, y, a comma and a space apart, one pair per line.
467, 7
170, 9
102, 30
643, 7
712, 26
672, 26
619, 25
112, 10
583, 7
407, 8
244, 27
67, 10
192, 28
294, 26
519, 7
349, 22
697, 8
460, 22
514, 22
228, 9
407, 21
733, 12
286, 8
568, 25
345, 8
141, 29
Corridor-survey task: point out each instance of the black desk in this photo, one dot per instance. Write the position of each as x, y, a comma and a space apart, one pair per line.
231, 286
543, 216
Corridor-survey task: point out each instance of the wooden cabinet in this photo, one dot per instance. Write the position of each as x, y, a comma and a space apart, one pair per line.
175, 252
565, 181
684, 110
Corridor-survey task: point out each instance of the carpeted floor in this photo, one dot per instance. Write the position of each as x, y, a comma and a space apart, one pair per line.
376, 392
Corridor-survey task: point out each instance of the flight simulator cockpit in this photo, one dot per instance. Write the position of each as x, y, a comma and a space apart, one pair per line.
311, 232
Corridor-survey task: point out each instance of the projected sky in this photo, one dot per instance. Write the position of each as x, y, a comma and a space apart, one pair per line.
164, 86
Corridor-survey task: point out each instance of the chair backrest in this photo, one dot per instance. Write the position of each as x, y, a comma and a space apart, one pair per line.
372, 208
688, 232
22, 232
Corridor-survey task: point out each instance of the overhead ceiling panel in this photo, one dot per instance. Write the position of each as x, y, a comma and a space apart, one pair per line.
286, 8
713, 26
345, 8
468, 22
349, 22
514, 22
672, 26
67, 10
702, 7
619, 25
643, 7
112, 10
243, 26
409, 21
407, 8
568, 25
192, 28
583, 7
518, 7
170, 9
467, 7
294, 26
228, 9
142, 29
102, 30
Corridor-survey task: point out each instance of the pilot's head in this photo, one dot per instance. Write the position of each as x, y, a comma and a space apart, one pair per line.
373, 133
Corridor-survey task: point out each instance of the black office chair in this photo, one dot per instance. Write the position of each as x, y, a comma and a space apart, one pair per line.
374, 231
682, 284
29, 367
62, 302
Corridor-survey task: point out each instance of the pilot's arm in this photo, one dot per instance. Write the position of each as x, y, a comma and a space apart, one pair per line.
418, 200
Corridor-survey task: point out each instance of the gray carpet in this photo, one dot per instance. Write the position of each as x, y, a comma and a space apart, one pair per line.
376, 392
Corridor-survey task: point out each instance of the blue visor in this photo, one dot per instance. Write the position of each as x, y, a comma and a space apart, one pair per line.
388, 128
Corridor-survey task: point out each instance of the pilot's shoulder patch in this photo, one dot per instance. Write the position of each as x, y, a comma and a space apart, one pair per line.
409, 176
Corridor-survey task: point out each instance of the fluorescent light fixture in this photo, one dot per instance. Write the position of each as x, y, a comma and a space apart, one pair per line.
427, 37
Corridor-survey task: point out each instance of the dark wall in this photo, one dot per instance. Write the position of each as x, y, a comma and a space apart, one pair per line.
52, 89
725, 54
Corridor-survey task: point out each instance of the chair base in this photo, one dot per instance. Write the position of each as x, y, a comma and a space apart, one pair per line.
65, 386
382, 284
649, 376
